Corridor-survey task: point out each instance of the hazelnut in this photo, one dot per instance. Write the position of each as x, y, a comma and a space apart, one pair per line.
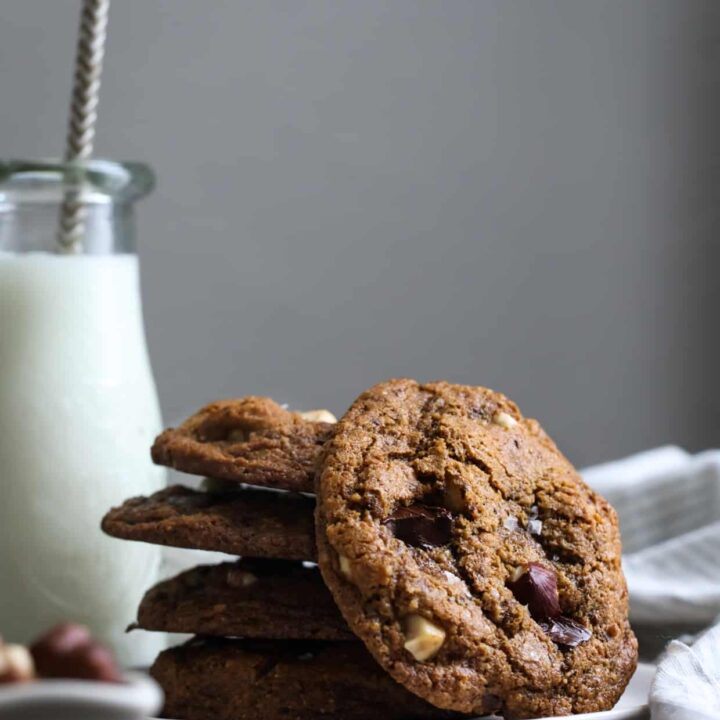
69, 651
424, 639
63, 638
345, 567
535, 585
16, 664
319, 416
504, 420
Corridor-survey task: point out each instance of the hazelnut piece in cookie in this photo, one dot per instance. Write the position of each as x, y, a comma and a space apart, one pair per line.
424, 638
319, 416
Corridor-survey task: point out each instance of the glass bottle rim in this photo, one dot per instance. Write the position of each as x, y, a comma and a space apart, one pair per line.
96, 180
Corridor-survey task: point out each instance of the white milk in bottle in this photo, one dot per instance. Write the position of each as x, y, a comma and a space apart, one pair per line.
78, 411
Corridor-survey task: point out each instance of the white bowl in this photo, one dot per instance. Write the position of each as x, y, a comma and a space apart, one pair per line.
136, 698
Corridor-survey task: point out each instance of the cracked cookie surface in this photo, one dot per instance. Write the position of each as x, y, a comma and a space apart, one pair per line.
249, 440
217, 679
469, 556
249, 598
246, 521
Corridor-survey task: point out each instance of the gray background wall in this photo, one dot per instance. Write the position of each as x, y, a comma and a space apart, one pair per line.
517, 193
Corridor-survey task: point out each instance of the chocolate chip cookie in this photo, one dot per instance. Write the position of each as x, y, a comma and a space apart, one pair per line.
251, 440
214, 679
466, 552
246, 521
248, 598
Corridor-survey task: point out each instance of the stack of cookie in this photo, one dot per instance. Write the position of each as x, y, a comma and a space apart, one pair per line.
270, 641
457, 543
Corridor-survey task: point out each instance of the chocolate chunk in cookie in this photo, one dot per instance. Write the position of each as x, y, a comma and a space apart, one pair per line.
248, 598
421, 525
245, 521
214, 679
469, 556
251, 440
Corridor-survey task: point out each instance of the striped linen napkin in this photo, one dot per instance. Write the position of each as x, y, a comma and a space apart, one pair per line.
687, 681
668, 502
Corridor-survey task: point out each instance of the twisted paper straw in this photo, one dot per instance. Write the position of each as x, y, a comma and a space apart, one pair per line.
83, 113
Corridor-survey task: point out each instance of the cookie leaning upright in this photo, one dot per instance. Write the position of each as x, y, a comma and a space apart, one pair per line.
250, 440
469, 556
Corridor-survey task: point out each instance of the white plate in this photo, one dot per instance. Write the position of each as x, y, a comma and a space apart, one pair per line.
631, 706
633, 703
138, 697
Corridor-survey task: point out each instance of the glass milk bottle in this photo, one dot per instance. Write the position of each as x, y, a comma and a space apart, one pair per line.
78, 406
